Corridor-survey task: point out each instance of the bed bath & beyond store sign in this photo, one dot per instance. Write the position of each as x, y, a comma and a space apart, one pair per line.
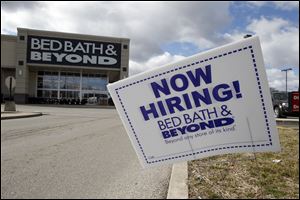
58, 51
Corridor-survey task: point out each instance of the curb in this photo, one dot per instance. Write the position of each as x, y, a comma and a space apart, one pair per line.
178, 188
287, 122
21, 116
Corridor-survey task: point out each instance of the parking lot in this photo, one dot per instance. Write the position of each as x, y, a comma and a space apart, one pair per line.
74, 153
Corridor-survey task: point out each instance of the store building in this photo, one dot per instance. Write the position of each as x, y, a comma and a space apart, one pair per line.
58, 67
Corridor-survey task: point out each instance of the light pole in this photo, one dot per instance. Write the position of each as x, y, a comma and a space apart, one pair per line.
286, 70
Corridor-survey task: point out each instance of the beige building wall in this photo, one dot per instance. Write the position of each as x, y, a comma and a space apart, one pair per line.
8, 51
22, 72
8, 61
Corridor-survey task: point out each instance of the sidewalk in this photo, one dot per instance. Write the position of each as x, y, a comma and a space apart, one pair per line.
38, 109
18, 114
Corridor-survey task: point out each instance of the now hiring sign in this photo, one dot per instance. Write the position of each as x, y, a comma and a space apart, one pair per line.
212, 103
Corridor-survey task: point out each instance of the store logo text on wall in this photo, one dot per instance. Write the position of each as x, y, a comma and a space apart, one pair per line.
60, 51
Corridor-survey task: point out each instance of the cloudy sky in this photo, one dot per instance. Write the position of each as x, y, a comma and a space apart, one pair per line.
163, 32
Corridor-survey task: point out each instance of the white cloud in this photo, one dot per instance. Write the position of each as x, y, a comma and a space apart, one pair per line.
257, 3
283, 5
280, 41
154, 62
148, 24
277, 80
280, 45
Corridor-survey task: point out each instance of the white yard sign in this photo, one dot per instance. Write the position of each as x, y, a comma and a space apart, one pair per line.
216, 102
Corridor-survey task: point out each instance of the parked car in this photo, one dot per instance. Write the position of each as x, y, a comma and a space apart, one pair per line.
285, 104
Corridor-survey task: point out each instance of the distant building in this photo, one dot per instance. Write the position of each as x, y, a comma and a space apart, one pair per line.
61, 66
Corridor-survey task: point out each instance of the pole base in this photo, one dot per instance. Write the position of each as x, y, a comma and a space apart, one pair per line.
10, 106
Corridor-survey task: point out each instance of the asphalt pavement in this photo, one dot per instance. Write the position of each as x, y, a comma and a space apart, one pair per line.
74, 153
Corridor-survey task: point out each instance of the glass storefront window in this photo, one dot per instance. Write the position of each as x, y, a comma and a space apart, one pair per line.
40, 82
48, 80
40, 93
85, 81
93, 85
70, 81
94, 82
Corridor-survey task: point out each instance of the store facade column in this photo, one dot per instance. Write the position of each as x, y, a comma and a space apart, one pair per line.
22, 71
80, 92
